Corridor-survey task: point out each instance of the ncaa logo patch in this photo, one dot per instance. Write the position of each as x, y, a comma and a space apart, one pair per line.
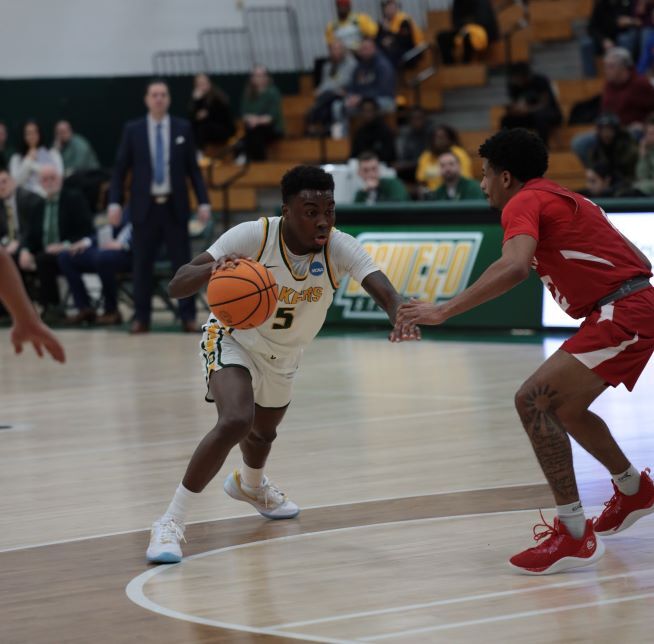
316, 268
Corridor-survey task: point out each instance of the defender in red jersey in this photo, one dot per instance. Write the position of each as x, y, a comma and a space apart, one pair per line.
595, 273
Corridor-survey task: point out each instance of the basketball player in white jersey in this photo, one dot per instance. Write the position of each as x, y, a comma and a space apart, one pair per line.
250, 372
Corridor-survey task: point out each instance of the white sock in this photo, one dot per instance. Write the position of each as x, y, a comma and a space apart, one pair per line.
179, 506
628, 482
250, 476
573, 518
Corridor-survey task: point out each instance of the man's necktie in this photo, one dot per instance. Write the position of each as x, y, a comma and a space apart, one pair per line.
159, 156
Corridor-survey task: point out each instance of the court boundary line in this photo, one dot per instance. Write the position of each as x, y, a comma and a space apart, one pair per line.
135, 588
505, 617
59, 542
465, 598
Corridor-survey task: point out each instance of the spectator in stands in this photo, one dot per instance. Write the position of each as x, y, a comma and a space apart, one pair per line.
6, 151
614, 147
411, 143
533, 104
65, 224
76, 152
645, 166
377, 190
599, 182
374, 77
17, 208
159, 153
626, 94
211, 115
612, 23
644, 12
26, 164
454, 187
261, 111
443, 139
106, 258
398, 33
474, 27
373, 134
350, 27
336, 74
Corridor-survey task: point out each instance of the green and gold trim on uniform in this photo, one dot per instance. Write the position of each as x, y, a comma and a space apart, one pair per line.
330, 272
266, 228
282, 250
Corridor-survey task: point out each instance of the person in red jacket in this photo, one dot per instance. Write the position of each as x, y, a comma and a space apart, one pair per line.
595, 273
626, 94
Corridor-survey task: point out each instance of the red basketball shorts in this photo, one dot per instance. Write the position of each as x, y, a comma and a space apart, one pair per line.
617, 341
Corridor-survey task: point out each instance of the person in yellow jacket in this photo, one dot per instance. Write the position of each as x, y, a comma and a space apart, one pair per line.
443, 139
397, 32
350, 27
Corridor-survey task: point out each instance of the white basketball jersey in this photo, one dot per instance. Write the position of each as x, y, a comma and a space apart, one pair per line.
303, 300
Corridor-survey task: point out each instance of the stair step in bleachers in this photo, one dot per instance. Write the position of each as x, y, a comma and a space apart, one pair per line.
573, 91
265, 174
309, 150
564, 167
241, 199
552, 19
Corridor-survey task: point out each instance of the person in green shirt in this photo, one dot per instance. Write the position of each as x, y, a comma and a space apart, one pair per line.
454, 187
76, 152
377, 189
261, 111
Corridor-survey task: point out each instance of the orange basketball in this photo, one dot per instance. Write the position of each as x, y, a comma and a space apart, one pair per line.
242, 296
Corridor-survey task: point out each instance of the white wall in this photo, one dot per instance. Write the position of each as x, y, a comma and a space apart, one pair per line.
64, 38
73, 38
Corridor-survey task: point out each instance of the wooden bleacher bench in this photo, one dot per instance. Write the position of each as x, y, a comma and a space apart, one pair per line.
308, 150
564, 168
552, 19
573, 91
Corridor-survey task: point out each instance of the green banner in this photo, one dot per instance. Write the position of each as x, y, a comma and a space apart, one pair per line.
435, 263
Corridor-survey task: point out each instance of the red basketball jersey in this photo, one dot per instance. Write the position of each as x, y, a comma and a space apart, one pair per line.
580, 256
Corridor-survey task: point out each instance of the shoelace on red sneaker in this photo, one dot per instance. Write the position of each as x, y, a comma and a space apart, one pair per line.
613, 500
548, 530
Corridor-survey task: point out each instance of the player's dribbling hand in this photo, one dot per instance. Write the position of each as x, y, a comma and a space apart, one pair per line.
416, 312
229, 260
40, 336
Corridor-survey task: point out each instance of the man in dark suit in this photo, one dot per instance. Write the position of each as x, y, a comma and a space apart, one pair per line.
160, 153
65, 223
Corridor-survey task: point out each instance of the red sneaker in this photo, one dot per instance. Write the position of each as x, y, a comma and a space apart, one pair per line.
622, 511
560, 551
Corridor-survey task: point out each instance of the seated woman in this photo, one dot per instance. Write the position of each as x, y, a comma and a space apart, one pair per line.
443, 139
25, 165
211, 116
261, 111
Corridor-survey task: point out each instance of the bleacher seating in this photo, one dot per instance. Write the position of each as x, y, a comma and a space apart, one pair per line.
520, 24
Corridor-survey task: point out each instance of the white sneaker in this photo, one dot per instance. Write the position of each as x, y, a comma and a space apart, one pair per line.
164, 541
269, 500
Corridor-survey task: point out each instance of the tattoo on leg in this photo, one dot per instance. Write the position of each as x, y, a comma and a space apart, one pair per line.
549, 440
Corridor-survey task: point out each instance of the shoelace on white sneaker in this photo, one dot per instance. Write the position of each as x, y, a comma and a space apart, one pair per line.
272, 495
168, 532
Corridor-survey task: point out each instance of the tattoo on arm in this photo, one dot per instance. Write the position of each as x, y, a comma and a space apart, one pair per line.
550, 441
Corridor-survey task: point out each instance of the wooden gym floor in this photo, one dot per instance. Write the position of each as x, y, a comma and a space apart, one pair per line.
415, 479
